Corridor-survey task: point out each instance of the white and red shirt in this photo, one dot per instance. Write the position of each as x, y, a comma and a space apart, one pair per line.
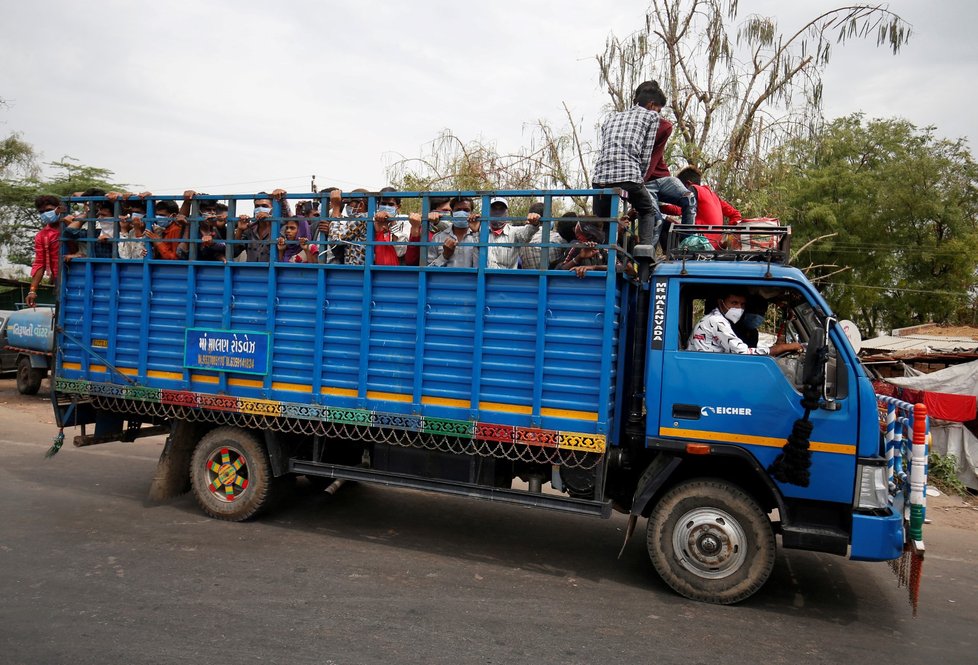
714, 334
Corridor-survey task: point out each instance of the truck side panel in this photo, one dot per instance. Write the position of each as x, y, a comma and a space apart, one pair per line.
432, 344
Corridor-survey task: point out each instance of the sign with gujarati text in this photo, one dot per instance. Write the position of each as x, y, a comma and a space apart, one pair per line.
226, 351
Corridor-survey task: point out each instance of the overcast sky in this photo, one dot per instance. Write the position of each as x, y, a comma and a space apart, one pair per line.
241, 95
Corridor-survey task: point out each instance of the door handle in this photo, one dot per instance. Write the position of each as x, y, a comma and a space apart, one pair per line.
686, 411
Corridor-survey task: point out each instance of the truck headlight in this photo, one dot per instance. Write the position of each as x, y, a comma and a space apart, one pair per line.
873, 492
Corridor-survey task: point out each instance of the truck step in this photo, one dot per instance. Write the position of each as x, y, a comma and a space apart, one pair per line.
815, 538
549, 501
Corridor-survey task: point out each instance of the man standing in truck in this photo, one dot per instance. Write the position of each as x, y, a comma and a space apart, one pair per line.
47, 245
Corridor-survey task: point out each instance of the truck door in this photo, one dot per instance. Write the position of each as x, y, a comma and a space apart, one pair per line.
752, 401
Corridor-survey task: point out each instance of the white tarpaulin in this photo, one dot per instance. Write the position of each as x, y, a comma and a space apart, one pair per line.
958, 379
951, 438
955, 439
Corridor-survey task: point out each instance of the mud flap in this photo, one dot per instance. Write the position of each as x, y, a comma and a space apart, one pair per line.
655, 476
172, 477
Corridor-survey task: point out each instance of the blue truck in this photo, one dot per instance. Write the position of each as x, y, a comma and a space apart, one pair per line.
538, 387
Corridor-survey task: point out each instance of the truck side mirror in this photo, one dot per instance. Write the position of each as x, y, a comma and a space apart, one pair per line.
813, 375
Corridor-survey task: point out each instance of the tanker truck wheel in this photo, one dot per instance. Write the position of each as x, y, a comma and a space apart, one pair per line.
28, 378
710, 541
230, 474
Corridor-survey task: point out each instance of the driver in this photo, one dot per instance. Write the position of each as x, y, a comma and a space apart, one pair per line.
715, 334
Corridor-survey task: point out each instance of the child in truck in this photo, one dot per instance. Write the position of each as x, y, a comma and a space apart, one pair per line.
289, 243
132, 231
105, 229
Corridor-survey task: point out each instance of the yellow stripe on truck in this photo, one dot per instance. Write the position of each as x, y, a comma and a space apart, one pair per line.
771, 442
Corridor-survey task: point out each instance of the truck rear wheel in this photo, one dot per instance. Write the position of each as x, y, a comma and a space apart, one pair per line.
28, 378
710, 541
230, 474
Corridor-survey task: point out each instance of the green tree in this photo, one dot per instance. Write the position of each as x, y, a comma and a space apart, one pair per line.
892, 205
18, 175
21, 181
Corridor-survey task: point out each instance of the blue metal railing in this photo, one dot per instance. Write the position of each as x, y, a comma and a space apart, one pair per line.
346, 335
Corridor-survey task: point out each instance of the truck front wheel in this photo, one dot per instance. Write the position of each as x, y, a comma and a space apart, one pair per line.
710, 541
28, 378
230, 474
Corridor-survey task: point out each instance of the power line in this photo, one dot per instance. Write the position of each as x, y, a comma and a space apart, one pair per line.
257, 182
897, 288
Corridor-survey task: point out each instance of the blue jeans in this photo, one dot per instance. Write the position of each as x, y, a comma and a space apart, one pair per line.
672, 190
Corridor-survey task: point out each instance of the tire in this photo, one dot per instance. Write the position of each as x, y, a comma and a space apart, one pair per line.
28, 378
230, 475
710, 541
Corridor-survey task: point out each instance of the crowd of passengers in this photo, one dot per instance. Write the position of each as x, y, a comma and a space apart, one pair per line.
340, 237
631, 160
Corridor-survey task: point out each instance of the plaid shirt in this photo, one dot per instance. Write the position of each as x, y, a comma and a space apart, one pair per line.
627, 138
355, 235
531, 253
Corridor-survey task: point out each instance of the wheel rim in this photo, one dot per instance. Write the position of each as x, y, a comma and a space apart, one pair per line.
24, 373
227, 474
709, 543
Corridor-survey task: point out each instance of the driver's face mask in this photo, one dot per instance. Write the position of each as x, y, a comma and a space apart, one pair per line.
734, 313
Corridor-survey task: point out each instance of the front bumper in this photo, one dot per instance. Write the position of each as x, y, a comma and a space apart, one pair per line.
877, 537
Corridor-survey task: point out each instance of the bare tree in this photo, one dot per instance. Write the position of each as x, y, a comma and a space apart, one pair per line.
555, 158
735, 96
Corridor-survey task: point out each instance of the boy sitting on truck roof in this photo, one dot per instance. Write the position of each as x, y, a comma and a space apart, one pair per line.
662, 186
627, 139
711, 210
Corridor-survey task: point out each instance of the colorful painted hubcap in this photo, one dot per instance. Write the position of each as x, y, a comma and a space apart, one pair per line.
227, 473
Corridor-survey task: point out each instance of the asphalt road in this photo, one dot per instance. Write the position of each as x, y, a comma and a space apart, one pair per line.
90, 572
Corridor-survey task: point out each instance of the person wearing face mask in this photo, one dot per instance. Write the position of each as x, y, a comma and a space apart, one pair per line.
458, 245
105, 229
131, 235
356, 234
440, 215
505, 241
168, 228
256, 232
715, 334
400, 226
356, 209
46, 244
